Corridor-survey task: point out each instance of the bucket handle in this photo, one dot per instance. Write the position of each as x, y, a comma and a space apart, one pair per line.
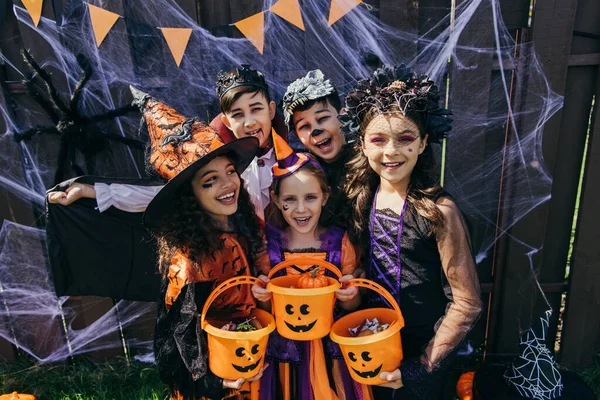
228, 284
366, 283
321, 263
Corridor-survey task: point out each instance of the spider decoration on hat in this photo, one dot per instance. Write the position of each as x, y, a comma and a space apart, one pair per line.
77, 132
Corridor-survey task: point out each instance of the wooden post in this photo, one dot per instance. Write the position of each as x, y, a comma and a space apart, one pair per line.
580, 340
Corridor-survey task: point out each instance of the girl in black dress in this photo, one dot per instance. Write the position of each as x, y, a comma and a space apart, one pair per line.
412, 232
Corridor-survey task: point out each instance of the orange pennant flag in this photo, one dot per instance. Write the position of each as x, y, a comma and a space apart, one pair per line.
290, 11
34, 8
254, 29
177, 39
102, 22
339, 8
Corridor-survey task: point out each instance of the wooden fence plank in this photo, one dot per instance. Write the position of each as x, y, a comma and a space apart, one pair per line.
7, 351
464, 169
578, 99
552, 25
216, 17
141, 330
12, 208
587, 28
580, 340
116, 50
515, 13
190, 8
402, 15
577, 102
89, 309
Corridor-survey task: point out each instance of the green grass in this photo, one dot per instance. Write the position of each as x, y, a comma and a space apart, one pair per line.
591, 376
82, 380
86, 380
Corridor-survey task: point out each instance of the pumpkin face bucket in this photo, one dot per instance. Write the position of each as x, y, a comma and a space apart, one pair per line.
250, 355
364, 359
233, 355
17, 396
368, 356
303, 313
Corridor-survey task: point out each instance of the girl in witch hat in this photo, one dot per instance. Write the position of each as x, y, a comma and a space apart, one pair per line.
207, 232
295, 232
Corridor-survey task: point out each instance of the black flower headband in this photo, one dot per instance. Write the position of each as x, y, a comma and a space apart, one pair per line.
396, 89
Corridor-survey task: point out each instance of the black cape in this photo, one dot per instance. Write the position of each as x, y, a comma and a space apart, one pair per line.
108, 254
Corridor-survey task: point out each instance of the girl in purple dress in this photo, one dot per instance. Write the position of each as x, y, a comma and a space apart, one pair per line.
305, 370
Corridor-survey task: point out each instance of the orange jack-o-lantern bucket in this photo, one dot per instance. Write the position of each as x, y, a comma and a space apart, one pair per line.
234, 355
368, 356
303, 314
17, 396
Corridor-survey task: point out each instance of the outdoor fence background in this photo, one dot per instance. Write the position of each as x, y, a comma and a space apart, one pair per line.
566, 35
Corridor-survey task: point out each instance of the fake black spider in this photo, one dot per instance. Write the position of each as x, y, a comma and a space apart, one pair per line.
75, 130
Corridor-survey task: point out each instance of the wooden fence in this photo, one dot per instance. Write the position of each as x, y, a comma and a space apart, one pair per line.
566, 38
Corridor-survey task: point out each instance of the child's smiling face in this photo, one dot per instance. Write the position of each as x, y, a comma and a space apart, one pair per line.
251, 115
319, 130
301, 201
216, 186
392, 144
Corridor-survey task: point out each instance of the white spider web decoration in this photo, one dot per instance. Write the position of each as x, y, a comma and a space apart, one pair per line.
534, 373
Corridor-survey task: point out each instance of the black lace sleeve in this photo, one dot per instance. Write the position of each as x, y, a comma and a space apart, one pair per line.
180, 346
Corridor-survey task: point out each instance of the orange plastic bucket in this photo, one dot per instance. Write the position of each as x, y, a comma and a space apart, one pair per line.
234, 355
17, 396
303, 314
368, 356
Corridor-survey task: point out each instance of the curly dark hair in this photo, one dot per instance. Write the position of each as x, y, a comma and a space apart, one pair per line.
188, 226
361, 183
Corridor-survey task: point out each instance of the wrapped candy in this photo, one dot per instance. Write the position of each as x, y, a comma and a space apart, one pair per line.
368, 327
249, 325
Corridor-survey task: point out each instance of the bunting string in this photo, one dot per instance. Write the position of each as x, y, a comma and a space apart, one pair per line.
177, 39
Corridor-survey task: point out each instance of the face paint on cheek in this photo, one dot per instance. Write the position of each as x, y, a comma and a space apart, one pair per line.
285, 207
410, 150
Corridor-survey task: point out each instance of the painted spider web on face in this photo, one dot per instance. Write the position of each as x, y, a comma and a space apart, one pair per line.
534, 373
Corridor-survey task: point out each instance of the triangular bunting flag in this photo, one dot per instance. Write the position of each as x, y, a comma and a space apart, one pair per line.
177, 39
34, 8
339, 8
290, 11
254, 29
102, 22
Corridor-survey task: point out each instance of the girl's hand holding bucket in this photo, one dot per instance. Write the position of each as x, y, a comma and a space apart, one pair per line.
237, 384
260, 292
394, 379
348, 295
